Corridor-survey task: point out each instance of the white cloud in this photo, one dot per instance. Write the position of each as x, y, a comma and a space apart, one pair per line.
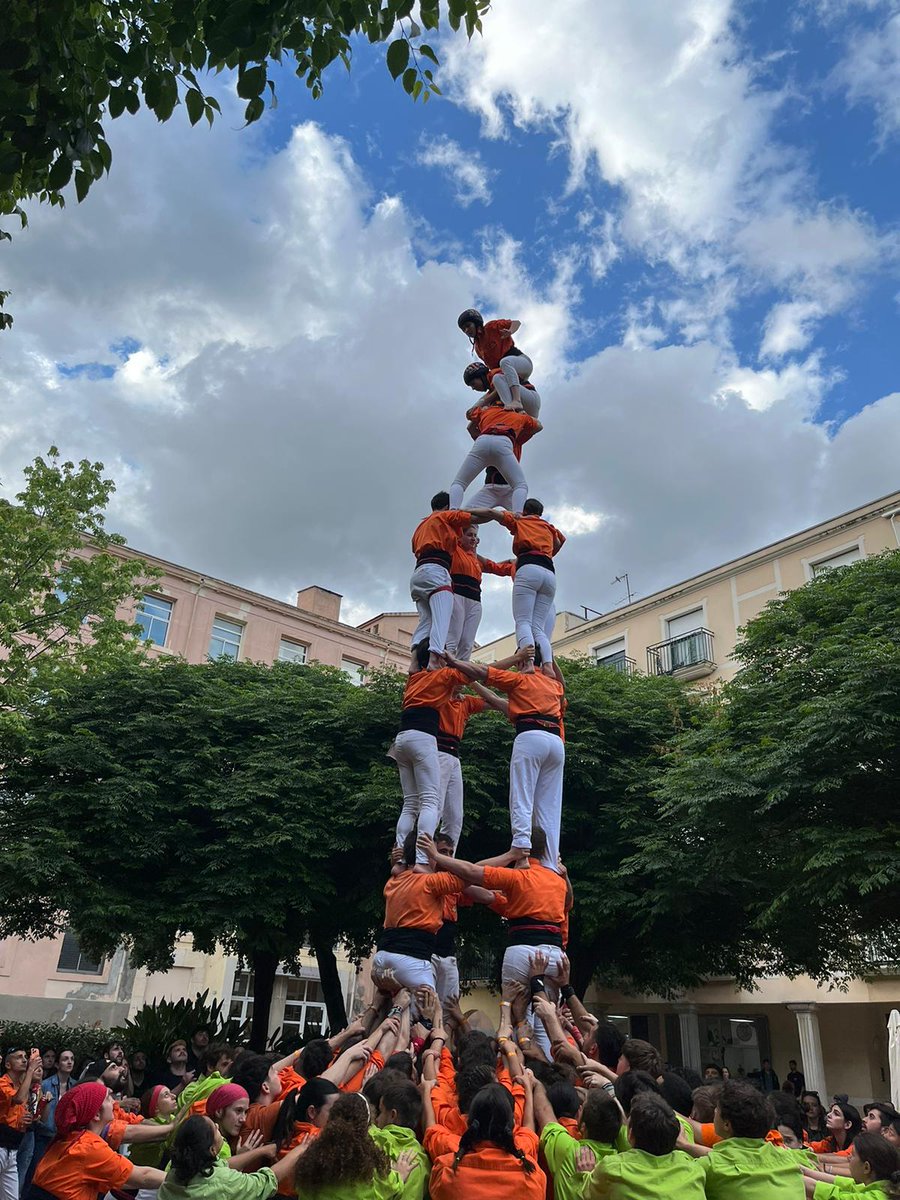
870, 73
295, 397
465, 169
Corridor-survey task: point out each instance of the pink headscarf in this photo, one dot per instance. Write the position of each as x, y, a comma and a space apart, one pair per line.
79, 1106
153, 1100
223, 1097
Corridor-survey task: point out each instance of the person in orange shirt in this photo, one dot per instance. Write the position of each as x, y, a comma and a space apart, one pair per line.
499, 436
493, 342
493, 386
466, 571
15, 1089
413, 913
302, 1117
535, 704
535, 544
430, 588
78, 1163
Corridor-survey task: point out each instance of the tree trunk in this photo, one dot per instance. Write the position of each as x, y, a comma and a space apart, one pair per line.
581, 973
265, 965
331, 985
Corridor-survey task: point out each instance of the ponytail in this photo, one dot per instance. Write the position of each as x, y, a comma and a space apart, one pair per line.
491, 1120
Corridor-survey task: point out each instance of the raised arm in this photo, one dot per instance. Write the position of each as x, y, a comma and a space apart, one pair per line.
469, 873
543, 1110
500, 704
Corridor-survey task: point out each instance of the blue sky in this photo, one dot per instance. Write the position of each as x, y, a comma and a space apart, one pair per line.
691, 205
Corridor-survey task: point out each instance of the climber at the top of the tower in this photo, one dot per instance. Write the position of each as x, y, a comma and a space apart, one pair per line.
493, 342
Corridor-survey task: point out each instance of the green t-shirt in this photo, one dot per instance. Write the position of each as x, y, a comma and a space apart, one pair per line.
560, 1150
222, 1184
752, 1169
148, 1154
200, 1088
637, 1175
395, 1140
845, 1189
380, 1187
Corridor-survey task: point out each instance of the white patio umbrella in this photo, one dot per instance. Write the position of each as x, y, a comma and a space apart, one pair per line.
894, 1055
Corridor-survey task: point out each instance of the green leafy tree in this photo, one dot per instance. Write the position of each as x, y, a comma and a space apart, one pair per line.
68, 66
61, 583
783, 810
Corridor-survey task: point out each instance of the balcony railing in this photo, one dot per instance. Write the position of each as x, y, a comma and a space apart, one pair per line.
617, 662
689, 656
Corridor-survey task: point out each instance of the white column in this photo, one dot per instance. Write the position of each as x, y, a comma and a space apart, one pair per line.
813, 1066
689, 1027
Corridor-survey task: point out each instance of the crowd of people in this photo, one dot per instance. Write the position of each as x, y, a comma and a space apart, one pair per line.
415, 1098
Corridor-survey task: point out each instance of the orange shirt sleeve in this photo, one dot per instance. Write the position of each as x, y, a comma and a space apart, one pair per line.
438, 1141
502, 879
355, 1082
507, 520
503, 681
516, 1090
708, 1135
442, 883
11, 1113
506, 568
290, 1080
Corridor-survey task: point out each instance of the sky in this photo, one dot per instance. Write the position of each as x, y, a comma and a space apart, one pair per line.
690, 205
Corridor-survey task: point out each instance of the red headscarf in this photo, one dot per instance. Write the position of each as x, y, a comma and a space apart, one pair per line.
79, 1106
153, 1099
222, 1097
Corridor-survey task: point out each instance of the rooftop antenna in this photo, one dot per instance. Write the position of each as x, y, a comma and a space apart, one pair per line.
623, 578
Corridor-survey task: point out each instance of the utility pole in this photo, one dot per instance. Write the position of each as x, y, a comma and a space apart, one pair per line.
623, 578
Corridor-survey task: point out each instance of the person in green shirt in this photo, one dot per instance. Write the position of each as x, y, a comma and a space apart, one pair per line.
399, 1115
197, 1173
599, 1122
874, 1172
158, 1104
652, 1169
344, 1162
218, 1060
744, 1165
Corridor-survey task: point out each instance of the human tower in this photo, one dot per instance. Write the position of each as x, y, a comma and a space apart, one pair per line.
528, 884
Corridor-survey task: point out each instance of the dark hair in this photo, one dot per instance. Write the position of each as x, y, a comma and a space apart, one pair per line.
491, 1119
409, 842
294, 1107
713, 1067
564, 1100
882, 1157
631, 1084
440, 500
48, 1050
704, 1100
192, 1150
441, 836
213, 1053
538, 842
600, 1117
677, 1093
691, 1077
747, 1111
550, 1074
251, 1072
469, 1082
401, 1061
375, 1087
343, 1153
654, 1127
886, 1111
850, 1113
422, 653
315, 1057
608, 1040
642, 1056
793, 1121
475, 1047
404, 1099
109, 1045
533, 508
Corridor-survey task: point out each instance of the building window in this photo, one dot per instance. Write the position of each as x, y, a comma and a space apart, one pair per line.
843, 559
153, 616
304, 1010
293, 652
242, 996
353, 670
225, 641
72, 961
612, 656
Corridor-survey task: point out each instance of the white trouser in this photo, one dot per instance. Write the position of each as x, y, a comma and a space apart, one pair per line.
9, 1174
416, 755
535, 789
493, 495
517, 967
534, 591
463, 625
430, 589
451, 796
147, 1194
529, 397
446, 973
490, 450
408, 972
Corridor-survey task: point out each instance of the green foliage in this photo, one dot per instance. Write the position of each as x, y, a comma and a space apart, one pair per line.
85, 1041
67, 66
783, 810
155, 1026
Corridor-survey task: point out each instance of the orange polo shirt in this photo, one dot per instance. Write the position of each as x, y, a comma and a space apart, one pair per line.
11, 1114
827, 1146
79, 1165
453, 715
413, 900
263, 1117
303, 1130
528, 694
495, 419
535, 891
532, 535
474, 565
487, 1172
493, 341
440, 531
365, 1072
430, 689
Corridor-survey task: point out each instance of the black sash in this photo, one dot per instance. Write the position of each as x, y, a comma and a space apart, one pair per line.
414, 943
445, 940
433, 554
466, 585
533, 931
448, 743
544, 722
420, 717
535, 560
